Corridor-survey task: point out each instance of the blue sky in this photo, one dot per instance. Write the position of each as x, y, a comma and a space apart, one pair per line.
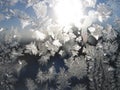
14, 21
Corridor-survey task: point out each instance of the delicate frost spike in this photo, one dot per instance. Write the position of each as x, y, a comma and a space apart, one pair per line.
100, 18
12, 11
7, 17
57, 43
20, 62
32, 48
91, 29
39, 35
40, 9
1, 29
25, 23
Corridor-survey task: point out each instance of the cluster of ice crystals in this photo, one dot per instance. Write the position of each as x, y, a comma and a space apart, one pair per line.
50, 44
57, 43
96, 30
38, 35
51, 47
24, 23
109, 33
54, 30
31, 48
104, 12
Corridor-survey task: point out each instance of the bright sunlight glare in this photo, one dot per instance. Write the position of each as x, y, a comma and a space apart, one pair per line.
68, 11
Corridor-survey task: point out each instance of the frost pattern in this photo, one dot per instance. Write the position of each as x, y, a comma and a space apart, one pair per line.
31, 48
104, 12
47, 56
40, 9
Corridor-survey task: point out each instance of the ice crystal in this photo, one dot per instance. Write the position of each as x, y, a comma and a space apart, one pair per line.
44, 76
54, 30
109, 33
62, 79
44, 59
38, 35
25, 23
77, 67
30, 84
47, 56
31, 48
40, 9
104, 12
42, 49
51, 47
110, 48
96, 30
57, 43
1, 29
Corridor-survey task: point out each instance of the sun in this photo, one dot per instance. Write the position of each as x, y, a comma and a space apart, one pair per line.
68, 11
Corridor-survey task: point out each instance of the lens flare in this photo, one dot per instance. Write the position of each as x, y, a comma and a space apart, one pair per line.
68, 11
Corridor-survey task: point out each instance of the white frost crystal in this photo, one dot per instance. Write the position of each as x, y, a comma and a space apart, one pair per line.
109, 32
111, 69
72, 35
76, 47
32, 48
40, 9
57, 43
52, 48
67, 29
39, 35
96, 31
54, 30
1, 29
91, 29
104, 12
79, 39
25, 23
65, 37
